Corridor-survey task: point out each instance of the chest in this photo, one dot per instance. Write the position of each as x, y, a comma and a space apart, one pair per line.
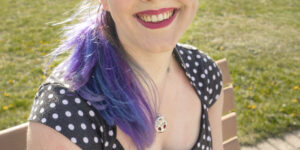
181, 108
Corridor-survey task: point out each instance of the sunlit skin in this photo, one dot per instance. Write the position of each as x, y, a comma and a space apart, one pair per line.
151, 48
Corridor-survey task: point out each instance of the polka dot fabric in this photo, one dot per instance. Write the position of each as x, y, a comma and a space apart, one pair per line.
63, 110
203, 72
67, 113
206, 78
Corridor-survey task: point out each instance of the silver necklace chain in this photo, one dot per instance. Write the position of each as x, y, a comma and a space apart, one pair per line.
160, 121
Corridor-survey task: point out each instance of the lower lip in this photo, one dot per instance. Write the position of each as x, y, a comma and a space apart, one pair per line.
157, 25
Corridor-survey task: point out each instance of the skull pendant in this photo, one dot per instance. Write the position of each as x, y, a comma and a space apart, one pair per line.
160, 124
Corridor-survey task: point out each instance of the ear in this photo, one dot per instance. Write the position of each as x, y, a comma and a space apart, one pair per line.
104, 4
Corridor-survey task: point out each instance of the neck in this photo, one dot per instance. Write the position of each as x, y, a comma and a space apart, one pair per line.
156, 64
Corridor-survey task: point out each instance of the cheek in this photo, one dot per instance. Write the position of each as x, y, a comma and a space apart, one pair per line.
120, 7
121, 11
192, 7
190, 4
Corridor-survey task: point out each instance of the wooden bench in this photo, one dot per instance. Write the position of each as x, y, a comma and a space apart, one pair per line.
229, 122
14, 138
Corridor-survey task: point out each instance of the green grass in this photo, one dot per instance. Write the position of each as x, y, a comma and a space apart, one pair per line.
25, 38
261, 42
259, 38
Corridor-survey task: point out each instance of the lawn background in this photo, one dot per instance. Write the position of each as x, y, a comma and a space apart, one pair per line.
259, 38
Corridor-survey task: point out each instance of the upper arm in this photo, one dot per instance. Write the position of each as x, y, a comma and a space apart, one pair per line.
59, 118
215, 119
42, 137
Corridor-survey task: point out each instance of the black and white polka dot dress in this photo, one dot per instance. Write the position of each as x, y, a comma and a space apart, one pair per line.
58, 107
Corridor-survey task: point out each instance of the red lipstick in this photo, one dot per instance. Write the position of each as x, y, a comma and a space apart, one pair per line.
156, 24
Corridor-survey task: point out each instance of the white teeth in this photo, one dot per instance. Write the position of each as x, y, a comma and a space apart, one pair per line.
148, 19
166, 15
160, 17
156, 18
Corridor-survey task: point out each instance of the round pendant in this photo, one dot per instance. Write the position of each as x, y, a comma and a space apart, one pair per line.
160, 124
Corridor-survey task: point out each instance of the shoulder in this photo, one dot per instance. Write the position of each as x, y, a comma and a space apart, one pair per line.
203, 71
190, 53
63, 110
40, 136
190, 50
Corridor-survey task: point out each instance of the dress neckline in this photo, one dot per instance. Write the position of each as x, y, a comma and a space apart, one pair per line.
181, 63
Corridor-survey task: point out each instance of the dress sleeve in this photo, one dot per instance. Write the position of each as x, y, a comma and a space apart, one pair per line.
213, 80
203, 72
64, 111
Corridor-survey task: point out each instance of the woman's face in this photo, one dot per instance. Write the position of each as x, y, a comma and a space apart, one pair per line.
151, 25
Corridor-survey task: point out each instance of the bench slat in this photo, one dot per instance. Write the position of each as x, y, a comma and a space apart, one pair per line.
232, 144
228, 104
14, 138
225, 71
229, 126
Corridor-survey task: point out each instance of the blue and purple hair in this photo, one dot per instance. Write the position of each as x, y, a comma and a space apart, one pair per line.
99, 70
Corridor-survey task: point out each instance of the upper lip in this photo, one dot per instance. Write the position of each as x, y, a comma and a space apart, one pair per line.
155, 12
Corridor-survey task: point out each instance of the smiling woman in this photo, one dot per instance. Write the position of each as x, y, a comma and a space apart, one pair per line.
128, 84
